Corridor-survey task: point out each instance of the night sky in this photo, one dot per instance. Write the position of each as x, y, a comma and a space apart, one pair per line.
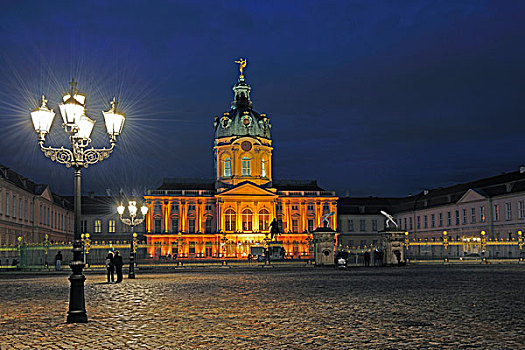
368, 97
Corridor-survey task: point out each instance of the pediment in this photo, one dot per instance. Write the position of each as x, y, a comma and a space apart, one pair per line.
46, 194
247, 189
472, 195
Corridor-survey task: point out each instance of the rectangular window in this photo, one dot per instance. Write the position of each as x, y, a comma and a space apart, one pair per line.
7, 203
418, 223
111, 226
457, 217
83, 226
191, 225
157, 208
326, 207
482, 214
472, 215
191, 207
98, 226
432, 220
464, 212
1, 200
410, 223
158, 225
208, 207
174, 207
449, 218
175, 225
208, 225
310, 225
310, 207
227, 167
374, 224
496, 212
425, 221
405, 222
40, 214
14, 206
440, 219
362, 225
263, 168
295, 225
208, 249
191, 248
246, 166
25, 210
521, 209
20, 208
508, 211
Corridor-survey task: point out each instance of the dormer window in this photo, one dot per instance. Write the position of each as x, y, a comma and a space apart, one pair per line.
246, 166
227, 167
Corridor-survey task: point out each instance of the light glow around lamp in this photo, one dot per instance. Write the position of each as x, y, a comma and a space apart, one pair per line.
144, 210
132, 208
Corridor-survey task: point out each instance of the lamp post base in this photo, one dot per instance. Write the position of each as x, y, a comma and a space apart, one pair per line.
77, 303
131, 274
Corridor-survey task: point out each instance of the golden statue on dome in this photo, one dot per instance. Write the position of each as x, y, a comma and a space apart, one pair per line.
242, 65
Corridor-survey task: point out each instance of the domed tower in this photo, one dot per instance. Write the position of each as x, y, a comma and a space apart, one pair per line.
243, 150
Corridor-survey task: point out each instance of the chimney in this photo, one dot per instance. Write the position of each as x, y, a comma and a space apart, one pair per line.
91, 194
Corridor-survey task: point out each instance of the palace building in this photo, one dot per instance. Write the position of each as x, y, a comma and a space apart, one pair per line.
226, 216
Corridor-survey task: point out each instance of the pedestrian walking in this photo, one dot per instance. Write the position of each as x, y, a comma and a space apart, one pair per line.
58, 261
118, 266
110, 266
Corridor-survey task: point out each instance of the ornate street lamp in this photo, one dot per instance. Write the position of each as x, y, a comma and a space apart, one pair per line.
132, 221
79, 127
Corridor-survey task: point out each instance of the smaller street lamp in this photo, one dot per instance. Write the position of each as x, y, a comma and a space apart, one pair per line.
132, 220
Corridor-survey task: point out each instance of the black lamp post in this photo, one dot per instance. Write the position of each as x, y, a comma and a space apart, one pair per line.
132, 221
79, 127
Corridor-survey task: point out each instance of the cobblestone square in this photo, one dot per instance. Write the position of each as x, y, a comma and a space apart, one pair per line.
442, 307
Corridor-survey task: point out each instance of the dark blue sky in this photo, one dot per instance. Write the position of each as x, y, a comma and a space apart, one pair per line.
369, 97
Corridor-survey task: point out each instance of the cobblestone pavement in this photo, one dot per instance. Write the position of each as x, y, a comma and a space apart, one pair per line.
375, 308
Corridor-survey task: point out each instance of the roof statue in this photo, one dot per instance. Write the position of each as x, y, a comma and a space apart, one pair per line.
389, 219
242, 65
325, 221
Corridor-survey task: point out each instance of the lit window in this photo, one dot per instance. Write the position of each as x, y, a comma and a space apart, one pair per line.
98, 226
246, 220
263, 168
246, 166
229, 220
264, 218
227, 167
496, 212
111, 226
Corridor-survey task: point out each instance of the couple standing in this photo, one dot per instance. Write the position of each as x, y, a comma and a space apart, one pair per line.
114, 263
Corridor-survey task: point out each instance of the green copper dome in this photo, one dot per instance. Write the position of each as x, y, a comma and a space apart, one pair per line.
242, 120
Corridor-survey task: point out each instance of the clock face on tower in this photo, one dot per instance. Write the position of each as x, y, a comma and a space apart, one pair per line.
246, 146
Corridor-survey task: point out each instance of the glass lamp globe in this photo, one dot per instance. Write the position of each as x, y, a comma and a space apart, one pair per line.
144, 210
71, 110
120, 209
114, 119
42, 117
132, 207
85, 127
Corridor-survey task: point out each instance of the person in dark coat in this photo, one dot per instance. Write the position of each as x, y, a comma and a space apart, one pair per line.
58, 261
366, 257
118, 266
110, 266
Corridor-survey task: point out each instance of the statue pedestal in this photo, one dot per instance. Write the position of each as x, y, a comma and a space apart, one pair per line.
392, 246
324, 246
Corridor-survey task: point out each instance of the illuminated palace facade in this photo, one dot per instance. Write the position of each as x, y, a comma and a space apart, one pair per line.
226, 216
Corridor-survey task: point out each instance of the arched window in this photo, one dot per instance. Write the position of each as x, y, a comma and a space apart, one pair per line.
229, 220
227, 167
264, 219
246, 166
246, 220
263, 168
